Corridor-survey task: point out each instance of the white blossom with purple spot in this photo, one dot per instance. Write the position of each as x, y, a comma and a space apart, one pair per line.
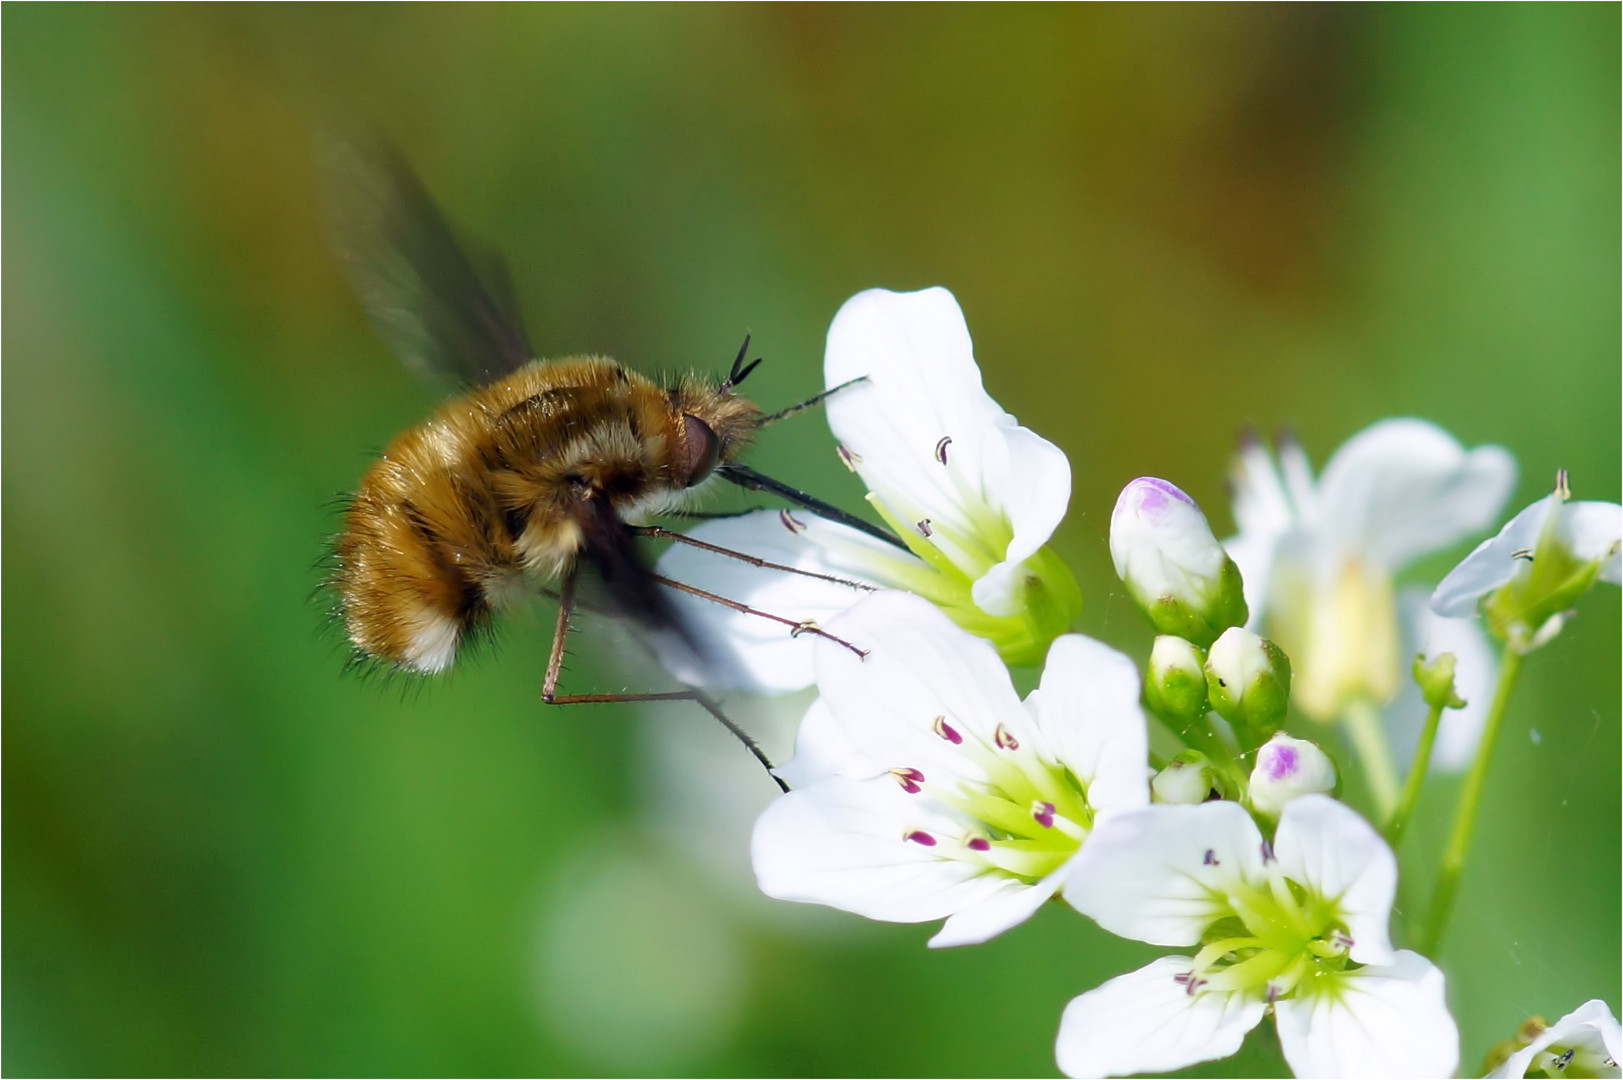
971, 497
1298, 928
924, 788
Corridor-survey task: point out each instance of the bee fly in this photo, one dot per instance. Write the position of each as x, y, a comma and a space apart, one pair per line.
539, 470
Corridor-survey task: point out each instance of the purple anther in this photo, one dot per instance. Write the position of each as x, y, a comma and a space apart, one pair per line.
1267, 852
979, 843
923, 527
789, 522
910, 779
1210, 858
947, 731
1004, 740
1043, 814
849, 456
920, 837
941, 448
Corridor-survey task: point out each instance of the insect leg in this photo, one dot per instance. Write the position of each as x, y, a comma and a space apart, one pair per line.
682, 538
710, 515
808, 403
795, 628
555, 660
748, 478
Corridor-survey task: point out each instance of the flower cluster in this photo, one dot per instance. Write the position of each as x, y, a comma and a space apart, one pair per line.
924, 788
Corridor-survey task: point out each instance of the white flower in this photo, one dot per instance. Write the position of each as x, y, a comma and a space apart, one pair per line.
972, 497
1585, 1042
1299, 927
1540, 563
1287, 769
1319, 558
925, 788
1166, 555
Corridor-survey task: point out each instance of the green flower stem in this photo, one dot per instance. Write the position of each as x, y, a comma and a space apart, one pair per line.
1363, 722
1199, 734
1459, 840
1417, 777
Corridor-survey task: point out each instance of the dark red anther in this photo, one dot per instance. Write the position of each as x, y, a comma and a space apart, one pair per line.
911, 780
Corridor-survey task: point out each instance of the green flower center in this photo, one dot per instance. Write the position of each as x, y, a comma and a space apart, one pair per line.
1279, 939
1025, 818
1049, 598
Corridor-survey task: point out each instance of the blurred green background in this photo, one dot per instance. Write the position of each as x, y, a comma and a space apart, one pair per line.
223, 856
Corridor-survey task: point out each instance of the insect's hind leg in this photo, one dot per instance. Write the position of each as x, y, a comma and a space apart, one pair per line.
555, 662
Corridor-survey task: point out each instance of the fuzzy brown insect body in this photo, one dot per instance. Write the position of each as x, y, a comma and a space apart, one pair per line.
503, 489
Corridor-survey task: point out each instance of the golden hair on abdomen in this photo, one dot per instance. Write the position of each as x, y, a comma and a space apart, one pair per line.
458, 510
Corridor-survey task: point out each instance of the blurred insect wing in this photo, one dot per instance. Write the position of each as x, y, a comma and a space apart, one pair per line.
405, 265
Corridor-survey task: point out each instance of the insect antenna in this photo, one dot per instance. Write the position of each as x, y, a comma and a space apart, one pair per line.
740, 370
809, 402
746, 477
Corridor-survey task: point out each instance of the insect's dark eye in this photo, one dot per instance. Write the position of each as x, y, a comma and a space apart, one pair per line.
703, 448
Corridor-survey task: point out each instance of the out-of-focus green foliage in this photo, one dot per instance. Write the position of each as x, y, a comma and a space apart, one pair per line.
223, 856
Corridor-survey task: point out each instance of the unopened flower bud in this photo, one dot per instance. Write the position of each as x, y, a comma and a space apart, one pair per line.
1286, 768
1435, 678
1248, 679
1188, 778
1175, 684
1171, 563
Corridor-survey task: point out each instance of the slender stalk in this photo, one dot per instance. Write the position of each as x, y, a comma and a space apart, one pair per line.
1417, 777
1201, 735
1459, 840
1363, 722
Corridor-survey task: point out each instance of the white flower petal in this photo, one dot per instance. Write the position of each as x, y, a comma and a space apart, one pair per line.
1158, 874
1594, 530
1476, 667
1404, 487
1090, 717
1011, 905
1327, 847
1001, 590
1261, 505
1591, 1027
921, 667
1253, 553
841, 843
922, 388
750, 652
1033, 492
1147, 1022
823, 749
1375, 1021
1490, 564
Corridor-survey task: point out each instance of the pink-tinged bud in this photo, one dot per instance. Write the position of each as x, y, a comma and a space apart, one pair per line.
1288, 768
1173, 566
